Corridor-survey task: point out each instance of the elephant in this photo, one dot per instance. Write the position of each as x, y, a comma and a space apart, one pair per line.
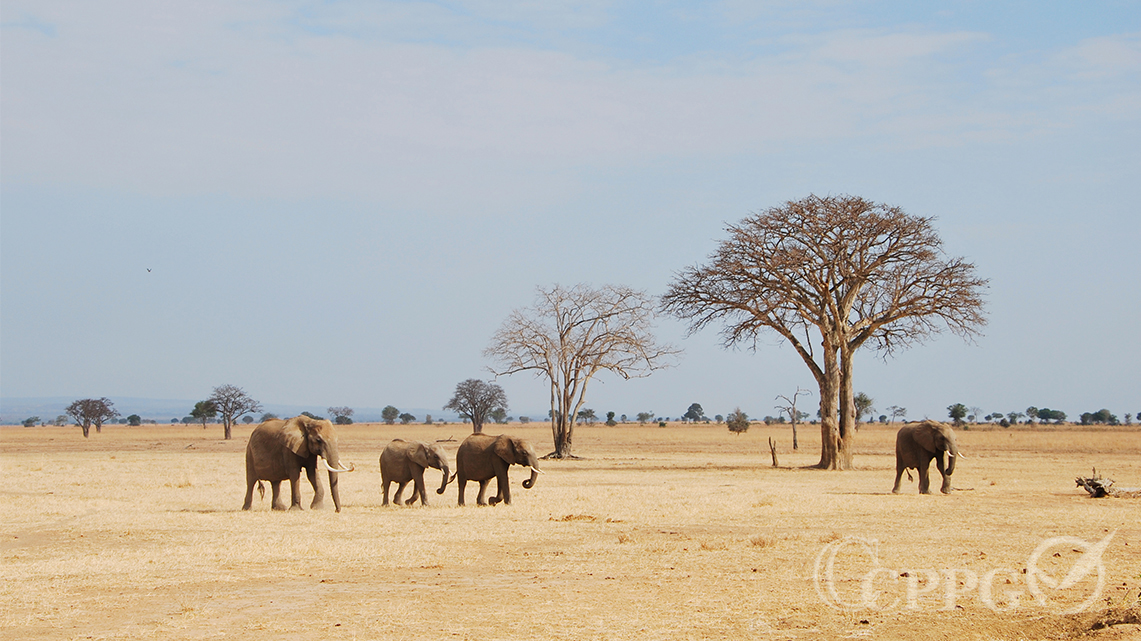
403, 461
277, 451
916, 444
482, 457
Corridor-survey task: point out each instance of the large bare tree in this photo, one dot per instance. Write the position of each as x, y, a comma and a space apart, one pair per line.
476, 400
569, 336
232, 403
92, 411
843, 268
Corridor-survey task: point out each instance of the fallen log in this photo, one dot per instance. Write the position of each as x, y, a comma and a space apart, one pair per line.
1099, 487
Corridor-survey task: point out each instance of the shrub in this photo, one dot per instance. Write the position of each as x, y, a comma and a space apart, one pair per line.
737, 421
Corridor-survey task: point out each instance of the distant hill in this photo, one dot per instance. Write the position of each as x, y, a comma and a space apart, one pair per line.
13, 410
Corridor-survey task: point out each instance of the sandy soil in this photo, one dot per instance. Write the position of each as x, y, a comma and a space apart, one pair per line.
683, 532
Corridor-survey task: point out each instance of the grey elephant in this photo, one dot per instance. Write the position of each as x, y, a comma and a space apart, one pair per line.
279, 449
916, 444
482, 457
403, 461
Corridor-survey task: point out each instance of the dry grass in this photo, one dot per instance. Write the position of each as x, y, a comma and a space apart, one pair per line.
659, 533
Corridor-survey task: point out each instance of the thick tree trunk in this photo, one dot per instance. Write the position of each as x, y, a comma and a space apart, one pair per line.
829, 425
227, 426
847, 410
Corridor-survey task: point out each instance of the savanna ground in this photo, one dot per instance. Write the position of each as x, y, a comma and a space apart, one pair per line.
682, 532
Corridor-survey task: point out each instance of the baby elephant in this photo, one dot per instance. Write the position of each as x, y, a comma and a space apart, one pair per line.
404, 461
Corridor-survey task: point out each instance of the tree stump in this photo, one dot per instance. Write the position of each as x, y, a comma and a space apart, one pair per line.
773, 451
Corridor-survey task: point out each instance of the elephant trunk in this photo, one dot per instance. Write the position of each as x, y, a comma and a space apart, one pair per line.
529, 483
445, 480
952, 454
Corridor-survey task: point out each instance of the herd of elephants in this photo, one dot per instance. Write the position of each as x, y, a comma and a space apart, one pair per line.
279, 449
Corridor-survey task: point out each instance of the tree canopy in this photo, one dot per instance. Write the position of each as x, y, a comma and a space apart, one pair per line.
853, 271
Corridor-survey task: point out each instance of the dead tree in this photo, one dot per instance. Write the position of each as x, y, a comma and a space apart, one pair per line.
793, 414
569, 336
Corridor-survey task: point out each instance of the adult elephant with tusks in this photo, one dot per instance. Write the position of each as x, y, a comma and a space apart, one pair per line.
916, 444
279, 449
482, 457
403, 461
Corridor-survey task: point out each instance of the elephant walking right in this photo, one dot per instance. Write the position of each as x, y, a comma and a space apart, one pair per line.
403, 461
279, 449
482, 457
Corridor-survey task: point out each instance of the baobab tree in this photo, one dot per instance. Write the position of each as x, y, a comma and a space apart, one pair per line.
569, 336
848, 270
232, 403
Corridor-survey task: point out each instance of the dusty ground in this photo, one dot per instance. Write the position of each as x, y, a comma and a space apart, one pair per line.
659, 533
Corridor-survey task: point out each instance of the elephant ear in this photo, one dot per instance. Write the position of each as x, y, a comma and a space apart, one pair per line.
418, 454
928, 436
505, 449
295, 432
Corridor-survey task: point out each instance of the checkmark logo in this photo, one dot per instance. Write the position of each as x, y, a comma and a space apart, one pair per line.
1048, 590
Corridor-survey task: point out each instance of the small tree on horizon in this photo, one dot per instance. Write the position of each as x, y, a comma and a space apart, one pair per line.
232, 403
475, 400
865, 405
694, 413
341, 415
957, 412
390, 414
737, 421
92, 411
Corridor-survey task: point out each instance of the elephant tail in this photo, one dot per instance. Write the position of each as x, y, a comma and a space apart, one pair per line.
261, 490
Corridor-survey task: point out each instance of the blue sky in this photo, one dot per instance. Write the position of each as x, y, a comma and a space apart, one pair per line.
340, 202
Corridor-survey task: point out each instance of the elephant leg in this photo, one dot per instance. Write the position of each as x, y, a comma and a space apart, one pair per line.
503, 488
418, 488
295, 490
462, 483
925, 477
384, 484
946, 487
251, 481
318, 491
399, 490
482, 491
898, 476
277, 504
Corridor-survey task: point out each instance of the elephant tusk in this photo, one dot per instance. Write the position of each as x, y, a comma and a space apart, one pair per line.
538, 470
325, 464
